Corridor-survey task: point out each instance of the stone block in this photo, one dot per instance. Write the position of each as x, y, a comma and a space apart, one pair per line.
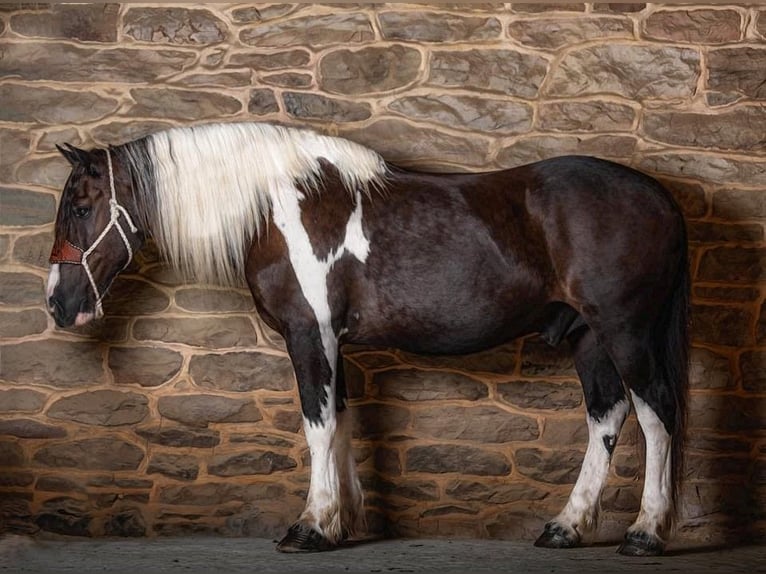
707, 167
621, 499
733, 264
420, 26
249, 463
738, 71
712, 443
182, 104
558, 395
145, 366
752, 365
47, 171
714, 232
101, 407
720, 325
530, 149
555, 33
272, 61
555, 467
242, 372
489, 71
21, 289
377, 419
134, 297
589, 116
64, 515
214, 300
117, 133
84, 22
91, 454
178, 466
418, 146
262, 13
49, 362
539, 359
34, 249
635, 71
15, 478
499, 360
63, 62
727, 293
16, 146
709, 370
180, 436
467, 112
312, 31
483, 424
30, 428
125, 523
694, 26
262, 102
24, 207
214, 333
690, 196
22, 323
219, 493
288, 420
418, 490
387, 461
619, 7
289, 80
370, 70
21, 400
318, 107
737, 204
560, 431
11, 454
534, 8
500, 493
423, 385
726, 413
184, 26
739, 129
262, 439
444, 458
201, 410
55, 483
233, 79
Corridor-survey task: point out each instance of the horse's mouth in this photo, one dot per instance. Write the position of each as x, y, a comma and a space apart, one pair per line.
65, 319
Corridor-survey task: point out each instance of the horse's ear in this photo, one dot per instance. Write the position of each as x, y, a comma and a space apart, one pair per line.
75, 156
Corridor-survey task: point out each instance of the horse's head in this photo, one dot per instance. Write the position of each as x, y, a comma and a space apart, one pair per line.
95, 235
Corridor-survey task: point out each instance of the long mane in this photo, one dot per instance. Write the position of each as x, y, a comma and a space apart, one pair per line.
205, 191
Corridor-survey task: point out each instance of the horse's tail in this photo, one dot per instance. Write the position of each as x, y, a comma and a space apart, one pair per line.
673, 354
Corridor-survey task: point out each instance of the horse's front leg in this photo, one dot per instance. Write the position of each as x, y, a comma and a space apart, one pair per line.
331, 512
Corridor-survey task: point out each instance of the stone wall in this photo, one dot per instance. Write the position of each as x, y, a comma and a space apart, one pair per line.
178, 414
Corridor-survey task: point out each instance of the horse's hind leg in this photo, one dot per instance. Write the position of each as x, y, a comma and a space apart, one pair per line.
607, 407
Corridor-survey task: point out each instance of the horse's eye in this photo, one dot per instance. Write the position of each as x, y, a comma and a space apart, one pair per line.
81, 211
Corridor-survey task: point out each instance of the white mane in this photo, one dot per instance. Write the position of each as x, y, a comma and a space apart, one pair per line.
214, 185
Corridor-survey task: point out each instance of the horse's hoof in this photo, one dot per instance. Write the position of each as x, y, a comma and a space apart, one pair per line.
556, 536
641, 544
303, 538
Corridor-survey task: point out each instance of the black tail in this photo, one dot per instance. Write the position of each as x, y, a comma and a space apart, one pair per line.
674, 361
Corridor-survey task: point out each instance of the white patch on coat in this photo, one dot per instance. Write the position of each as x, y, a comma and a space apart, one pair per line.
215, 184
582, 507
334, 501
657, 498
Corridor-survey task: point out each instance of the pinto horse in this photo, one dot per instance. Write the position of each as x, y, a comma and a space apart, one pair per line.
338, 246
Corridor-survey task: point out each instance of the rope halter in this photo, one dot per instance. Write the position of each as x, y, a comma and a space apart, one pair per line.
66, 252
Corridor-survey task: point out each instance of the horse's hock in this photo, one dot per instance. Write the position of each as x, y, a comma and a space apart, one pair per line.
178, 413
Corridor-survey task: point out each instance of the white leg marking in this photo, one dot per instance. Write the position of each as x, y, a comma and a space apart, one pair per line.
352, 496
329, 448
582, 507
657, 499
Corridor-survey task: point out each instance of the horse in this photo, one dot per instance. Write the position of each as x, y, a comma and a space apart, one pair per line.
339, 246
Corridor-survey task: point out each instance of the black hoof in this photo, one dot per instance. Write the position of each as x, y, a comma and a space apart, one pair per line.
641, 544
555, 536
302, 538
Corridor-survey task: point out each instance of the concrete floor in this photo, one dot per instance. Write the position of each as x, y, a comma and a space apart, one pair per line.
253, 555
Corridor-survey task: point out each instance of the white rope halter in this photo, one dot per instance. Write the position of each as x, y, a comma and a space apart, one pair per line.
115, 209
